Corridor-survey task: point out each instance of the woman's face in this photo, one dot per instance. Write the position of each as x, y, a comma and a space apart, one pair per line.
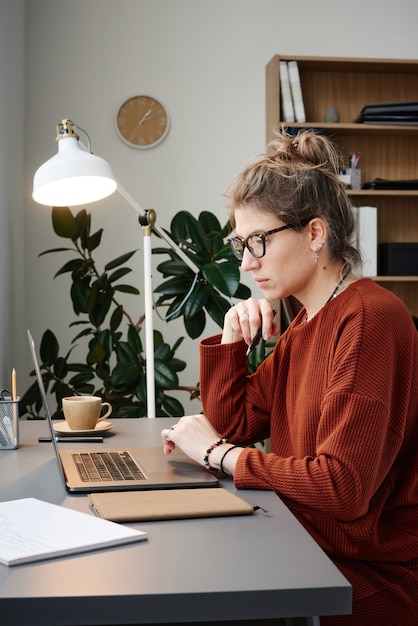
287, 266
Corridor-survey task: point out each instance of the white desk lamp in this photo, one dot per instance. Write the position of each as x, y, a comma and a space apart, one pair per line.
75, 176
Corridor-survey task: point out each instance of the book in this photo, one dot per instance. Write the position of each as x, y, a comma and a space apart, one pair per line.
140, 506
367, 238
34, 530
288, 114
296, 90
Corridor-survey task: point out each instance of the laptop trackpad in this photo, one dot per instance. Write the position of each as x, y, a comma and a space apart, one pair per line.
176, 465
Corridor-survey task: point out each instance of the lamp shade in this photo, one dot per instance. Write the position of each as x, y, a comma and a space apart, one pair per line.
73, 176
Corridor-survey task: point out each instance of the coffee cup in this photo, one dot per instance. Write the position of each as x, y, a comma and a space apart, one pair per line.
84, 412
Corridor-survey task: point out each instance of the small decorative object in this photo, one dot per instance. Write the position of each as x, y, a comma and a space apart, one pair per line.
142, 122
331, 115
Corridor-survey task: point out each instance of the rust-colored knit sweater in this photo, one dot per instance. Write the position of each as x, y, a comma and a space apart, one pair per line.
339, 400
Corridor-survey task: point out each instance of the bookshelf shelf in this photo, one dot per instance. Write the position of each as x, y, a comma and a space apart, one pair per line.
358, 129
387, 151
402, 193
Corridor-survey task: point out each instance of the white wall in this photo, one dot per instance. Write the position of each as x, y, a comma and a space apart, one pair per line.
12, 184
206, 60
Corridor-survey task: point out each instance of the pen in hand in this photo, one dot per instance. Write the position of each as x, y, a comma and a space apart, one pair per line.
257, 337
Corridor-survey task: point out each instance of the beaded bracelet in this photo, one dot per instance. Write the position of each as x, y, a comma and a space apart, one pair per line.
221, 465
208, 451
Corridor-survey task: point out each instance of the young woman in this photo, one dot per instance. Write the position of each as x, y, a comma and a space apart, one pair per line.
338, 397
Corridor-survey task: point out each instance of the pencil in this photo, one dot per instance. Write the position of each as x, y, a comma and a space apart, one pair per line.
14, 385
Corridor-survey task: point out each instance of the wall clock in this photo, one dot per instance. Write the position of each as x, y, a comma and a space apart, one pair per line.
142, 121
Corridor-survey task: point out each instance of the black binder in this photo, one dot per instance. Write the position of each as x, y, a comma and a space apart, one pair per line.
381, 183
389, 113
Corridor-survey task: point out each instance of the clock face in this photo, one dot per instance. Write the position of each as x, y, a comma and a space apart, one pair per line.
142, 122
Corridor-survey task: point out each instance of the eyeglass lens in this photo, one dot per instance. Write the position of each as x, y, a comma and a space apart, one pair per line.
255, 244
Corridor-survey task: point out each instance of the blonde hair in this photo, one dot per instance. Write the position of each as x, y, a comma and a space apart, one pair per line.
298, 179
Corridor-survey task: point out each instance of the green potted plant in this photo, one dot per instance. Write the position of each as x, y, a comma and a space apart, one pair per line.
114, 366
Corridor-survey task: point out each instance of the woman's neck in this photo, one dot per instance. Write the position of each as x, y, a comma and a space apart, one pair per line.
329, 284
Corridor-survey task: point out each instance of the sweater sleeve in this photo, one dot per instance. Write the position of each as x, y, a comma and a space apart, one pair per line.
232, 401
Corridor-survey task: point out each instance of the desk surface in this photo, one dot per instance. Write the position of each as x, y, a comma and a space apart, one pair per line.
262, 566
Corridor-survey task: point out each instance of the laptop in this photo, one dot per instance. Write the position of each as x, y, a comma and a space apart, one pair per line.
93, 470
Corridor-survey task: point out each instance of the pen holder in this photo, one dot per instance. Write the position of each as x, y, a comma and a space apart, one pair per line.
351, 178
355, 178
9, 424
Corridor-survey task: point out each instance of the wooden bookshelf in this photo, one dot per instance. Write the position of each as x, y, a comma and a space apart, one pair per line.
387, 151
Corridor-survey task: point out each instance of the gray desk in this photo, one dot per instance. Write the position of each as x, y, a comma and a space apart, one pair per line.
257, 567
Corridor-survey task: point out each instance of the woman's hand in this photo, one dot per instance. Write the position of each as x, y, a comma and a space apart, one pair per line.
243, 321
194, 434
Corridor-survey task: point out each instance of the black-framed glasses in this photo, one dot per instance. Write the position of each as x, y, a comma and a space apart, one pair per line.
256, 243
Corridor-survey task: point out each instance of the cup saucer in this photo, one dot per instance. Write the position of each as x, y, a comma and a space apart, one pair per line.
62, 428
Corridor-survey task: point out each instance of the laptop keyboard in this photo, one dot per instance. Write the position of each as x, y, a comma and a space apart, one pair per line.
107, 466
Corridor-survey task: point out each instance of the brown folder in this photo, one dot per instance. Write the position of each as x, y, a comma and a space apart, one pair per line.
168, 504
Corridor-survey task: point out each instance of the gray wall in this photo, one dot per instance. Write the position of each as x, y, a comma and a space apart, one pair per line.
205, 59
13, 183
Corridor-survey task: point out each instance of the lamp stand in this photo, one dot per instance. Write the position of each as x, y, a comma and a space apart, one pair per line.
147, 219
147, 222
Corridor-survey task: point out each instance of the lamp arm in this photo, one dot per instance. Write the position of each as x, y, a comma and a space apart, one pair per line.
141, 211
148, 225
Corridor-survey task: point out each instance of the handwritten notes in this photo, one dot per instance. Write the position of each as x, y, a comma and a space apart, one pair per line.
33, 530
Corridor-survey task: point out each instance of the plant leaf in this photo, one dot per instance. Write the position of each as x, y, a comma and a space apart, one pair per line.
243, 292
172, 406
196, 301
174, 286
127, 289
49, 348
195, 325
116, 319
94, 240
172, 268
124, 374
64, 222
177, 364
134, 340
126, 354
119, 261
165, 376
55, 250
97, 353
217, 308
209, 222
60, 367
223, 276
185, 226
80, 290
163, 352
101, 307
71, 266
122, 271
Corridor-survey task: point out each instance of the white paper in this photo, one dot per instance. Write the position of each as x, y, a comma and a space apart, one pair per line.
367, 238
33, 530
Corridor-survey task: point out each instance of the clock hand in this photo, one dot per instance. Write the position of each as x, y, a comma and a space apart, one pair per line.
144, 117
148, 119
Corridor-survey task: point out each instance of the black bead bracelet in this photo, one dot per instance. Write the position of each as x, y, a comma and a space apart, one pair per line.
208, 451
